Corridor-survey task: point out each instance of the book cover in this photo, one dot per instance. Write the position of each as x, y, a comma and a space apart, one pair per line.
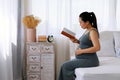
68, 33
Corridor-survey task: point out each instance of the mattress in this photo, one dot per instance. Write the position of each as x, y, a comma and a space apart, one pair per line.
109, 69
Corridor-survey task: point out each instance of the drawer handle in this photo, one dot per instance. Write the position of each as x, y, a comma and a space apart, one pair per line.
41, 67
33, 67
33, 49
33, 58
47, 48
33, 77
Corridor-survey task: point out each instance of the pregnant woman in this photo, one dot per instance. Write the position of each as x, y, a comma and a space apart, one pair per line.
88, 46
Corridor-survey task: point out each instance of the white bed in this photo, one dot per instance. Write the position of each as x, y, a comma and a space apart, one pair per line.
109, 69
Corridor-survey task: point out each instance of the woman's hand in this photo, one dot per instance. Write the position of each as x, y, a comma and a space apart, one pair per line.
74, 40
78, 51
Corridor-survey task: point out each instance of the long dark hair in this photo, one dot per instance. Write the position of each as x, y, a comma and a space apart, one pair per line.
89, 16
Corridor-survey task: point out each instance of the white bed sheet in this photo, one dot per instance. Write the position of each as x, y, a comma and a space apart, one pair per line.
109, 69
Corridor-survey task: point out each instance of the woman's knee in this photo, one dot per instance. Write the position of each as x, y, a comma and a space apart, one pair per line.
67, 66
64, 65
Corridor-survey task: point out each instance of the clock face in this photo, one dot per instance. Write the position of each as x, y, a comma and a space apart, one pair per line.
50, 38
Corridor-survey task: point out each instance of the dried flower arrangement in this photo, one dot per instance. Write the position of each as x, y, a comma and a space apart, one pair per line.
30, 21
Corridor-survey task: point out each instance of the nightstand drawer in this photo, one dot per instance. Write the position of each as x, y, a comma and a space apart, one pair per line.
33, 58
47, 49
33, 77
33, 67
33, 49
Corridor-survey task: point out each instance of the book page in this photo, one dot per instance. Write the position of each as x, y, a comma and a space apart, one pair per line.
68, 33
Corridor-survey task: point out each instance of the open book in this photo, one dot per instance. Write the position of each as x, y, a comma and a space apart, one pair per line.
68, 33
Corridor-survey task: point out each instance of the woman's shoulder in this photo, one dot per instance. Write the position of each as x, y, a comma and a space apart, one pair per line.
93, 32
92, 29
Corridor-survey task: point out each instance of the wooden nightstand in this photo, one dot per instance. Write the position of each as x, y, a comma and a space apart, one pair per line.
40, 61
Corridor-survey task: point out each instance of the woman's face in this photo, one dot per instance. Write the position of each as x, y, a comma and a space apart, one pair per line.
82, 23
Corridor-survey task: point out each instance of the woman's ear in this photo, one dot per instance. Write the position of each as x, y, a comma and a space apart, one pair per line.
87, 22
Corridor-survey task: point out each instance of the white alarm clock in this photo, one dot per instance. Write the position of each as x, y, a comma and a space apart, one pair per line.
50, 38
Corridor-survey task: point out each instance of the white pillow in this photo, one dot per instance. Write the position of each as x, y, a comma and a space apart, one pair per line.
117, 43
117, 50
107, 45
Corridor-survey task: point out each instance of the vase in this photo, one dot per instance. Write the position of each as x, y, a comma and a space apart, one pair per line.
31, 35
